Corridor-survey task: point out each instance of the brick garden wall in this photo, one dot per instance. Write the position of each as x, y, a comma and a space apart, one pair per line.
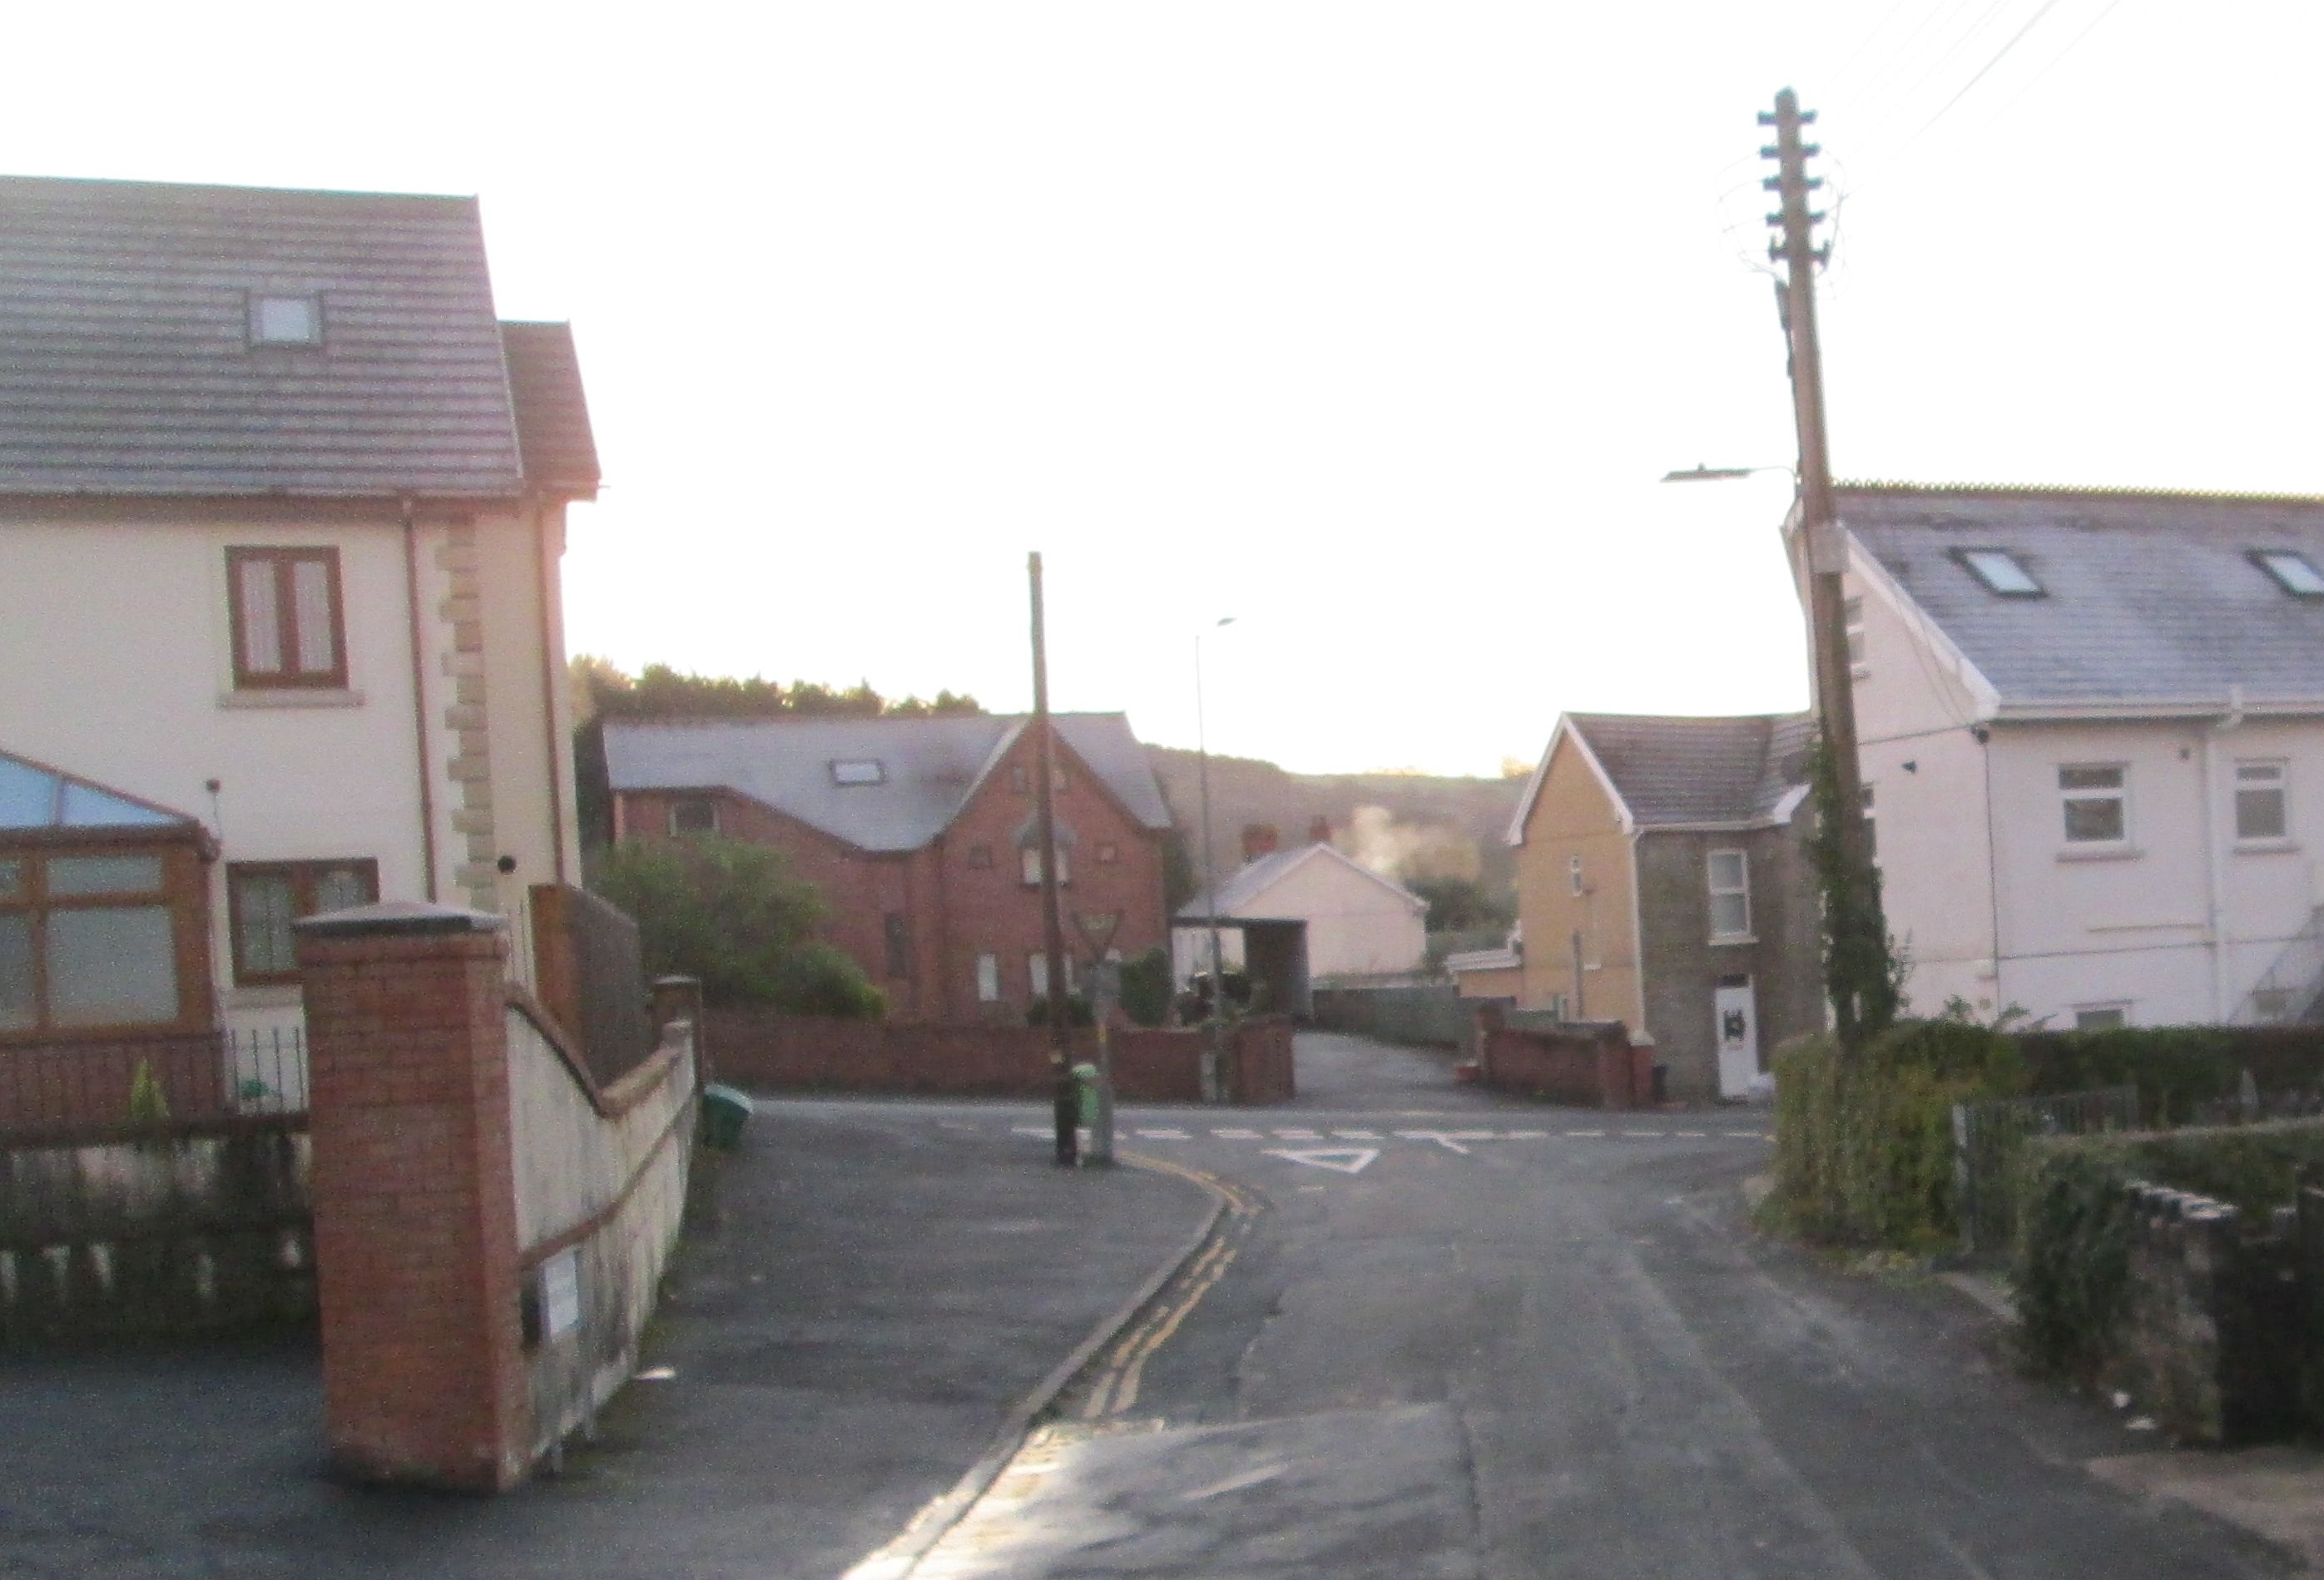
1589, 1066
770, 1051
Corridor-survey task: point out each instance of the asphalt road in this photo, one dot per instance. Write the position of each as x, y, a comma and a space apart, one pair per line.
1453, 1336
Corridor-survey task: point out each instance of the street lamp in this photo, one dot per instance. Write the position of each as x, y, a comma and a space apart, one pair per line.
1210, 1053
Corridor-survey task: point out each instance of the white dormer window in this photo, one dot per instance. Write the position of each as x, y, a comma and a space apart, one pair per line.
286, 320
2000, 571
2293, 571
858, 770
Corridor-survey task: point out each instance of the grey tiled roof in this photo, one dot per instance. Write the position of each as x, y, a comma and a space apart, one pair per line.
2151, 597
127, 367
1668, 769
552, 410
1242, 888
930, 766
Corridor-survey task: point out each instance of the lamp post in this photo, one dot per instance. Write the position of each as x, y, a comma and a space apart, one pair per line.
1213, 1049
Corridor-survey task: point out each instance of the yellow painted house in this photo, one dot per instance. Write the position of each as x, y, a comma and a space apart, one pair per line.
1663, 881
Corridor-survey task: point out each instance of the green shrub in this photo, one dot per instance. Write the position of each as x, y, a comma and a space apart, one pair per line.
1864, 1141
2176, 1069
2074, 1221
816, 979
148, 1102
1146, 987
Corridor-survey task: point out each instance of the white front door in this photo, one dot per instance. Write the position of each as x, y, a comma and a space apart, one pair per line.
1736, 1021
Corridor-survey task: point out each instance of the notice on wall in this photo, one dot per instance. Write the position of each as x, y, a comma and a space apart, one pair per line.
560, 1293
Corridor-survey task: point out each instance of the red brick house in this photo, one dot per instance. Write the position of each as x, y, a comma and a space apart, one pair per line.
920, 833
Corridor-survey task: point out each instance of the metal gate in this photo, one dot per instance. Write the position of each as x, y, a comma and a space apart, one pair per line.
1987, 1138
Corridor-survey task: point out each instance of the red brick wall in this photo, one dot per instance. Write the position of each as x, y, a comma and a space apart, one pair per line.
956, 910
763, 1049
1592, 1067
415, 1216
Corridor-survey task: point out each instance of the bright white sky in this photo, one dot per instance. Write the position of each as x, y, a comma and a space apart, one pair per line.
1372, 326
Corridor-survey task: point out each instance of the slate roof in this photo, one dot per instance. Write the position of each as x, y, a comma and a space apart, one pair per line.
552, 410
126, 366
1682, 771
931, 767
2151, 598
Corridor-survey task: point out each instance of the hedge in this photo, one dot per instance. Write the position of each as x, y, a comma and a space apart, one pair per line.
1864, 1143
2177, 1069
2074, 1220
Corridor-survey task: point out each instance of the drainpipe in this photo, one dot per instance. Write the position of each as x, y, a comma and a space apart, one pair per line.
2214, 855
419, 703
559, 751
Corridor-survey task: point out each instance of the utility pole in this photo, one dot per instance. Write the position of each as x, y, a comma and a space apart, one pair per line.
1825, 548
1053, 932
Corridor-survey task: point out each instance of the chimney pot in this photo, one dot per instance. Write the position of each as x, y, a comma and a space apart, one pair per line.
1319, 832
1258, 839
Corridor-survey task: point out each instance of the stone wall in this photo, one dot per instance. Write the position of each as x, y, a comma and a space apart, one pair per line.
201, 1230
2210, 1340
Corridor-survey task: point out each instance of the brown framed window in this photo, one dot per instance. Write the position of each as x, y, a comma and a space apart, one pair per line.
693, 815
264, 897
101, 937
289, 624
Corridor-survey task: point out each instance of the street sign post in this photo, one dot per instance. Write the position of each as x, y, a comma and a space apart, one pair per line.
1105, 991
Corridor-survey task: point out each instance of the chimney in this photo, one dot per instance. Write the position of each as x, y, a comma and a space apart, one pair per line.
1319, 832
1258, 839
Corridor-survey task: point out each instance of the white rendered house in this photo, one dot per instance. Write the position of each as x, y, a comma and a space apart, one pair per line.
1356, 923
282, 504
2091, 732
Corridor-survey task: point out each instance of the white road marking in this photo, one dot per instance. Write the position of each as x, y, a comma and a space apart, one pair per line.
1030, 1129
1357, 1135
1238, 1135
1585, 1133
1338, 1160
1300, 1135
1164, 1135
1697, 1134
1449, 1140
1527, 1135
1656, 1133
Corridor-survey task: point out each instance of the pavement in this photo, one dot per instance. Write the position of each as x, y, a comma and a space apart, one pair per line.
874, 1308
1397, 1329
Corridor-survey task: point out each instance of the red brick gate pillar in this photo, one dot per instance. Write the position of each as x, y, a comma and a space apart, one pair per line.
414, 1191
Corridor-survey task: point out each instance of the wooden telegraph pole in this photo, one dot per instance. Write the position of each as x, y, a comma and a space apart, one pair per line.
1053, 932
1825, 547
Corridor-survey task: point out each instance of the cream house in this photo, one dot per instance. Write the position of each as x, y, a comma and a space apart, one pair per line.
1356, 923
282, 504
2091, 734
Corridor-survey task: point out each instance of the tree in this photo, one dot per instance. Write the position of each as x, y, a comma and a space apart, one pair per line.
732, 915
1863, 970
1458, 905
659, 691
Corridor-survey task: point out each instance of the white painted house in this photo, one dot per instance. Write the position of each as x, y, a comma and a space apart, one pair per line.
2091, 732
282, 504
1358, 923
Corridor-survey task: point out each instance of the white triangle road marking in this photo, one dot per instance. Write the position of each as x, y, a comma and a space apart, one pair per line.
1338, 1160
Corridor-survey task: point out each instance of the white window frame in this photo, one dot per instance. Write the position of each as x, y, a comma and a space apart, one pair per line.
2119, 1008
2000, 571
2291, 571
1574, 876
1741, 890
1037, 972
2264, 773
2119, 793
1029, 865
265, 320
1859, 666
987, 979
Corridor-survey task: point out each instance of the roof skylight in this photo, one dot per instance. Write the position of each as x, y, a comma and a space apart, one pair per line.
858, 770
286, 320
2293, 571
2000, 572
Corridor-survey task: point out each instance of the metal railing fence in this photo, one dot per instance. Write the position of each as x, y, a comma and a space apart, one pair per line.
1987, 1138
117, 1086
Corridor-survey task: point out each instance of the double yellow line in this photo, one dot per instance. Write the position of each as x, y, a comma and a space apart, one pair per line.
1115, 1389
